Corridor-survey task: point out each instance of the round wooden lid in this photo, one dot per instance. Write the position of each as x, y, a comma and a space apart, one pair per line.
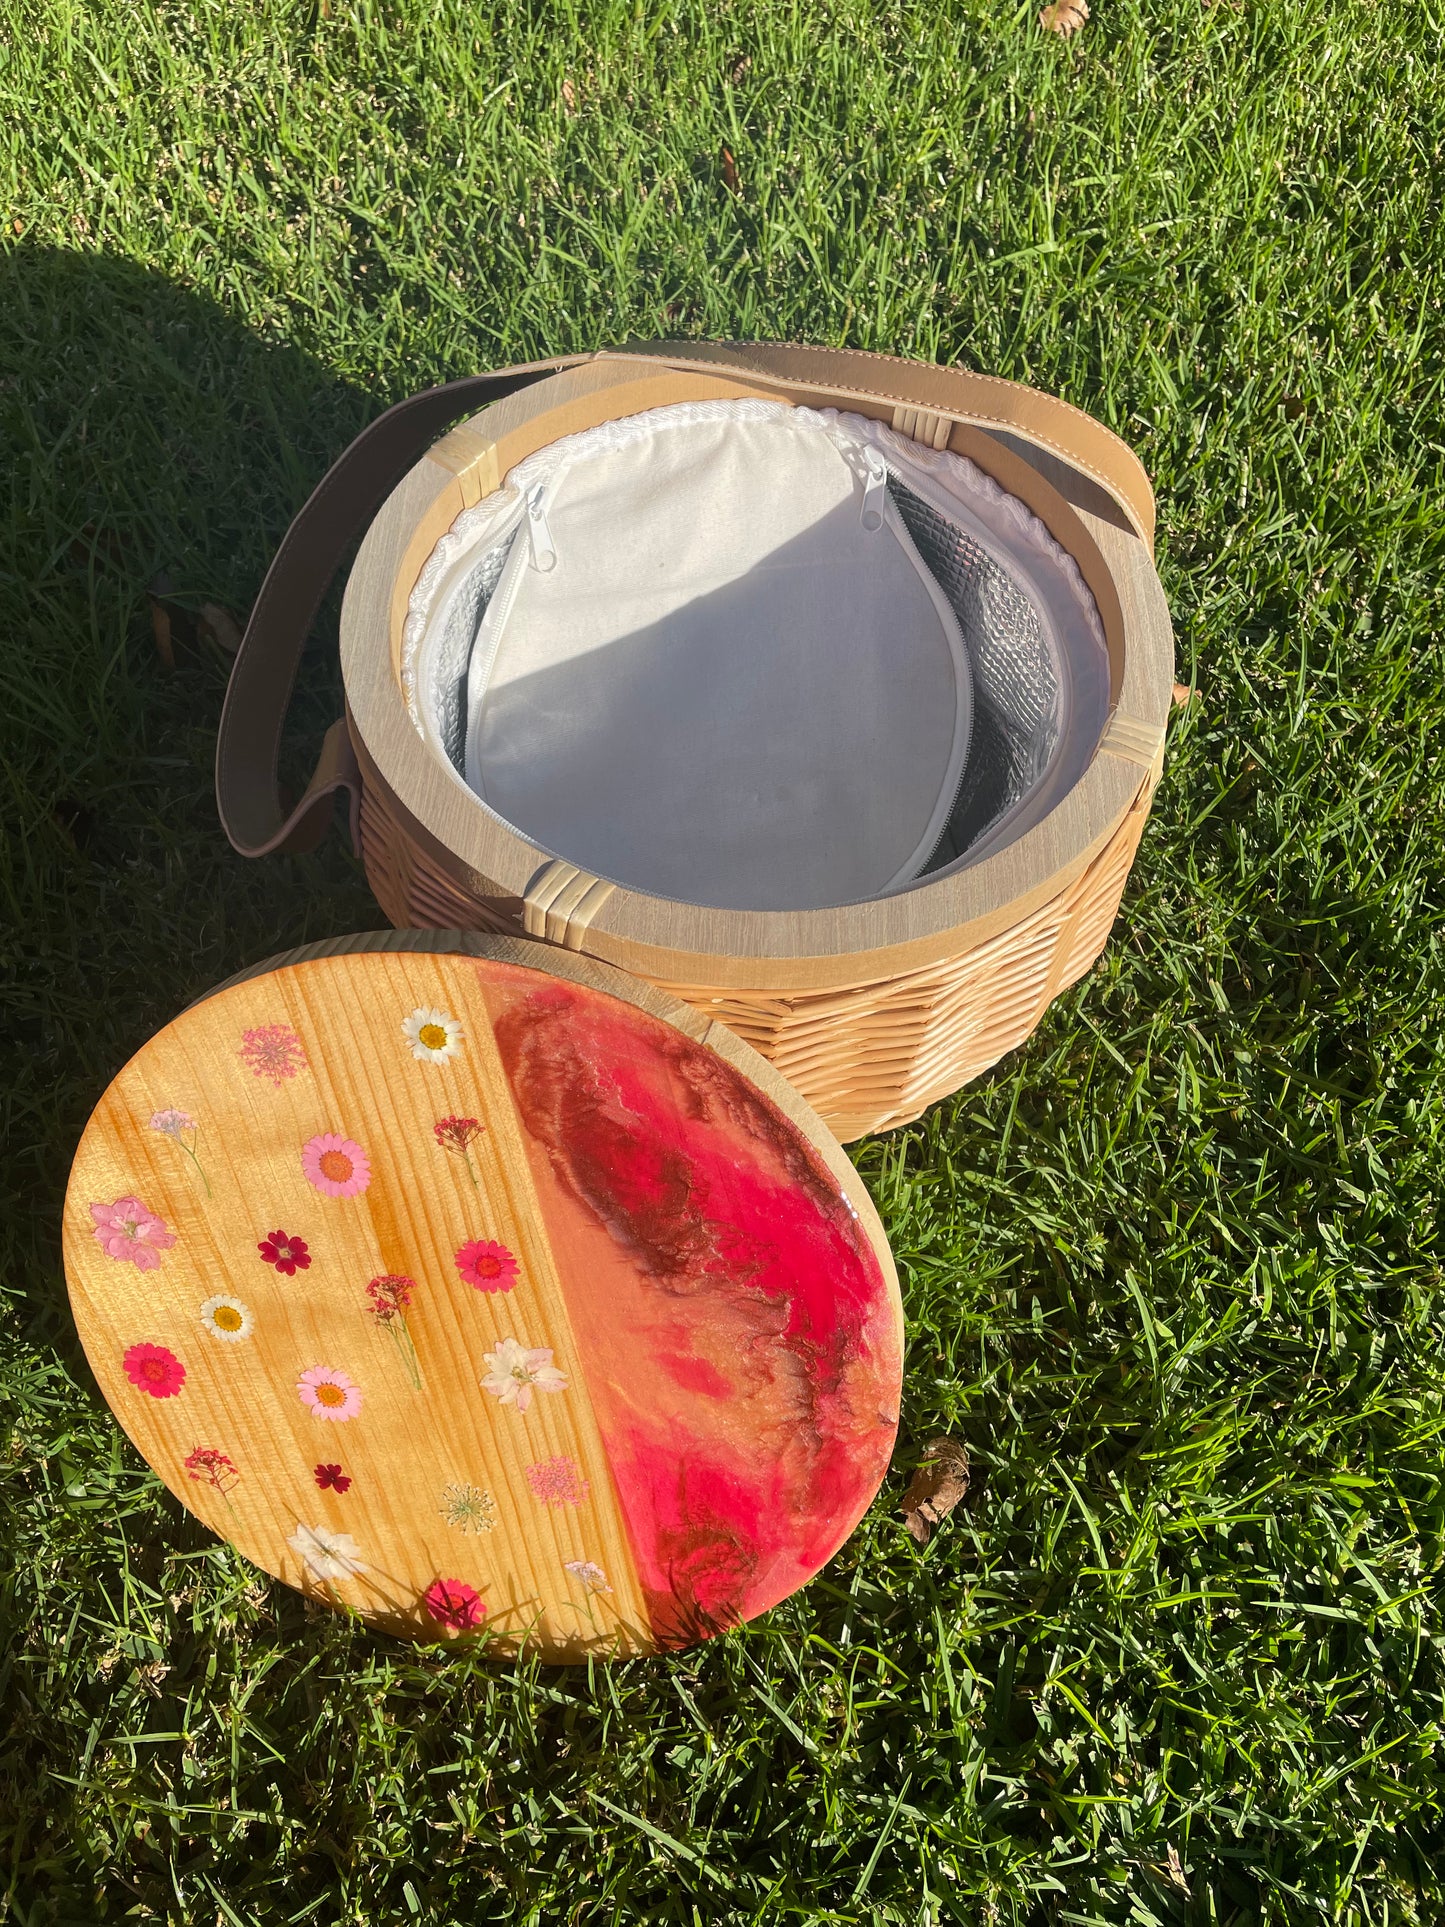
478, 1288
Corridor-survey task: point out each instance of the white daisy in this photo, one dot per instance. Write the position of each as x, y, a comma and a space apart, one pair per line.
326, 1554
226, 1317
434, 1035
514, 1372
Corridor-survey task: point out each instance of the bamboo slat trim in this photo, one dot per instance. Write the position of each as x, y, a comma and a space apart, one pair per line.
1133, 740
922, 425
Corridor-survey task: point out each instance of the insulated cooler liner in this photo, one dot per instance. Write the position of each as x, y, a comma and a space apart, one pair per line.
756, 657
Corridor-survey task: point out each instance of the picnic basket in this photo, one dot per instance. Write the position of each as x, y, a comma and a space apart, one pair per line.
883, 927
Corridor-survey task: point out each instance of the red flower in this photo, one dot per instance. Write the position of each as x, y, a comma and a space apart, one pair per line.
456, 1133
486, 1265
454, 1604
332, 1476
153, 1369
212, 1467
287, 1254
390, 1296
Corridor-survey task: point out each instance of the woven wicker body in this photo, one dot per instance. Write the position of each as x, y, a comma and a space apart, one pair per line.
868, 1055
873, 1010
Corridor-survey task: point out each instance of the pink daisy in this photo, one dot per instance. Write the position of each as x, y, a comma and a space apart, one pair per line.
129, 1229
486, 1265
454, 1604
154, 1369
336, 1165
328, 1393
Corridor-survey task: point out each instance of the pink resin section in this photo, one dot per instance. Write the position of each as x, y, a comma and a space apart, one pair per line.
739, 1341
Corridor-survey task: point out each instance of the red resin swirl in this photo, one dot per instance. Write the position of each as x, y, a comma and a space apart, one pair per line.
742, 1347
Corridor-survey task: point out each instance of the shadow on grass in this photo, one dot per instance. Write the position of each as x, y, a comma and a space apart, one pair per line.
147, 430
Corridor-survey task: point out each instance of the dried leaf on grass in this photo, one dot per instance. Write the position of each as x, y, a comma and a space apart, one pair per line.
936, 1487
219, 626
1064, 17
172, 623
569, 96
729, 171
1169, 1872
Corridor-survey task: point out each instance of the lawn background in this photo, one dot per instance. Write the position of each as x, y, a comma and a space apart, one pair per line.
1172, 1270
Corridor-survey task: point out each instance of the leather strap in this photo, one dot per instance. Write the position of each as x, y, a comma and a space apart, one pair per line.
355, 486
248, 794
986, 400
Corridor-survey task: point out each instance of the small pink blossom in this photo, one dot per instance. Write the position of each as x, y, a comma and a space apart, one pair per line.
557, 1482
130, 1230
589, 1572
390, 1296
272, 1050
329, 1394
336, 1165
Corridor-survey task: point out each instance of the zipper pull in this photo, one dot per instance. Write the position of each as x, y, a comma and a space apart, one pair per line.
539, 536
875, 489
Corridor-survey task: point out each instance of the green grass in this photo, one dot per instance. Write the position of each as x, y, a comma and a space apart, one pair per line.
1173, 1270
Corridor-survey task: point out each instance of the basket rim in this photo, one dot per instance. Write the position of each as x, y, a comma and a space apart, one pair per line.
664, 936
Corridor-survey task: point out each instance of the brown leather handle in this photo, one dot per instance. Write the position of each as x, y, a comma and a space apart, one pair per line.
986, 400
248, 794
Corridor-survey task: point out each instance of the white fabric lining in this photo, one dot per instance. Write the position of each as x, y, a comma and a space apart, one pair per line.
984, 521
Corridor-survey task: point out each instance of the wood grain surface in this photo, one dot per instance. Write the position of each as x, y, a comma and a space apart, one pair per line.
482, 1300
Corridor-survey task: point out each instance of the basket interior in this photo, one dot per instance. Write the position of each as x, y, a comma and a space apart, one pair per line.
757, 657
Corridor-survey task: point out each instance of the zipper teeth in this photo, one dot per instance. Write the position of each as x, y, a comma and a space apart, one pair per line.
895, 475
496, 615
930, 497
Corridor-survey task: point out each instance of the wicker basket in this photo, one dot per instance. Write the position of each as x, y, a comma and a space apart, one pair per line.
873, 1010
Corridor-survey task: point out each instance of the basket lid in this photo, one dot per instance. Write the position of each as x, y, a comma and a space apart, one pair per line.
477, 1287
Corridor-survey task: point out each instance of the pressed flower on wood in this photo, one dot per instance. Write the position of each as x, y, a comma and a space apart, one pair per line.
434, 1035
272, 1051
328, 1394
557, 1481
131, 1231
212, 1467
289, 1255
454, 1604
227, 1318
515, 1371
331, 1478
457, 1135
178, 1126
468, 1508
390, 1295
326, 1554
154, 1369
486, 1265
337, 1166
589, 1573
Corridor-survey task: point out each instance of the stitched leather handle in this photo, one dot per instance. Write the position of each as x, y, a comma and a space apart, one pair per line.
248, 794
985, 400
